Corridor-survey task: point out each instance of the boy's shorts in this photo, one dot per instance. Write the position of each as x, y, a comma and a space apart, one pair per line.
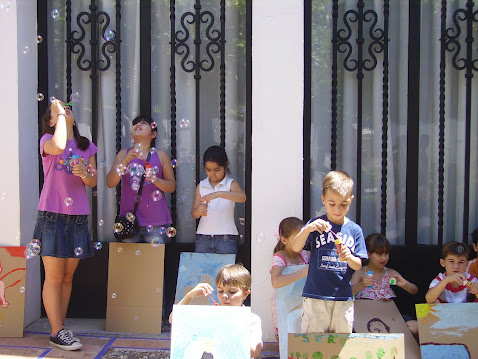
327, 316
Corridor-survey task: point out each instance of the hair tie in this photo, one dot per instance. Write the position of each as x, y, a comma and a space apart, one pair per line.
153, 125
460, 249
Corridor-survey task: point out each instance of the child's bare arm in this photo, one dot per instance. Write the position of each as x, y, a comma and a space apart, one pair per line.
403, 283
318, 225
359, 281
201, 289
434, 292
279, 280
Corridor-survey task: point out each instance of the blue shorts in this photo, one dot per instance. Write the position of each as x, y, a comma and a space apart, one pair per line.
63, 235
156, 235
216, 243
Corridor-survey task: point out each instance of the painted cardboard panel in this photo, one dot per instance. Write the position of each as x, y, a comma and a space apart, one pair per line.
202, 332
383, 316
448, 330
12, 291
289, 307
349, 346
135, 288
197, 268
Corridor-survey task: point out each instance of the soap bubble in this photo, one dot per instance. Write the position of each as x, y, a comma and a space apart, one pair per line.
130, 217
155, 242
171, 232
149, 228
25, 49
156, 195
40, 97
68, 201
152, 150
55, 13
120, 169
22, 290
138, 148
174, 163
117, 227
98, 245
39, 39
113, 295
138, 252
158, 290
101, 222
53, 98
89, 168
260, 237
153, 125
94, 193
3, 196
110, 35
184, 123
120, 249
75, 97
78, 251
242, 108
33, 249
102, 164
242, 221
162, 230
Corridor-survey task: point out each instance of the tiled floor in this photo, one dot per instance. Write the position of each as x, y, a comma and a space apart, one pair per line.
96, 342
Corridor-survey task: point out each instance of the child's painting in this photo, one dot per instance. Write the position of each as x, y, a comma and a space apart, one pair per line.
12, 291
197, 268
448, 330
289, 306
353, 346
210, 332
383, 317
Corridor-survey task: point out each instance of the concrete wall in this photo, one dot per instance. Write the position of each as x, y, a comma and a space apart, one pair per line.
277, 153
18, 138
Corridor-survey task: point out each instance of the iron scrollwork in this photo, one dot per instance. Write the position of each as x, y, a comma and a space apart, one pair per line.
214, 36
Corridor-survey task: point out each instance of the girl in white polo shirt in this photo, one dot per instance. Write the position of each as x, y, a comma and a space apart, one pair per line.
214, 202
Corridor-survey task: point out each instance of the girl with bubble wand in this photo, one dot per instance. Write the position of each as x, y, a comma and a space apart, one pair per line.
214, 203
129, 166
62, 225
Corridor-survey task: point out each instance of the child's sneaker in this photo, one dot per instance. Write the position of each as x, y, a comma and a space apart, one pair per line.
64, 341
70, 333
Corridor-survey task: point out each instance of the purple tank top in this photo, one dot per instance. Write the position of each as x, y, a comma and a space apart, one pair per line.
149, 212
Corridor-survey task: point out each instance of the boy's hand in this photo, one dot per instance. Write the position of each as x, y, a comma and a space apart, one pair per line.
201, 289
474, 288
345, 253
319, 225
458, 278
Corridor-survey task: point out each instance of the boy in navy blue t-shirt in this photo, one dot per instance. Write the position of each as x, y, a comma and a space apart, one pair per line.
337, 249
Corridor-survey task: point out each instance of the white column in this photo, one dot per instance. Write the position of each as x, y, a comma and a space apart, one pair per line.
277, 125
18, 137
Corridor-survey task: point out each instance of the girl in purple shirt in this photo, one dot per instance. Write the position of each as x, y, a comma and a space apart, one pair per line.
129, 166
62, 224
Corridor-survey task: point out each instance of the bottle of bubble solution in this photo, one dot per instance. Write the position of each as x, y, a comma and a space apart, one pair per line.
204, 214
370, 274
76, 159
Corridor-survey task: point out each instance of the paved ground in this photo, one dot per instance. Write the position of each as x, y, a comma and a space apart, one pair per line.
97, 343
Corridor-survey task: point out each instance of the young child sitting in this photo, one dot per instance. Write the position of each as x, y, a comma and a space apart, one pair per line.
374, 280
473, 264
455, 284
233, 283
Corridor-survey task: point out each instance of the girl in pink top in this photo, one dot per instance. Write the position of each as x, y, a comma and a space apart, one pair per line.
129, 166
284, 256
373, 281
62, 224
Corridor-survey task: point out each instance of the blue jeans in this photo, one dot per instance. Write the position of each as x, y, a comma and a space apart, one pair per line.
156, 235
212, 243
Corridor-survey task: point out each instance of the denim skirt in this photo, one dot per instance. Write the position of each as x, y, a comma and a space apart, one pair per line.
63, 235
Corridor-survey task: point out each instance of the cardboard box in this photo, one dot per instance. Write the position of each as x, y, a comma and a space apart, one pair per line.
135, 288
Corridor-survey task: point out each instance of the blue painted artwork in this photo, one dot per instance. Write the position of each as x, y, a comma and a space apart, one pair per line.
448, 330
210, 332
197, 268
289, 306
